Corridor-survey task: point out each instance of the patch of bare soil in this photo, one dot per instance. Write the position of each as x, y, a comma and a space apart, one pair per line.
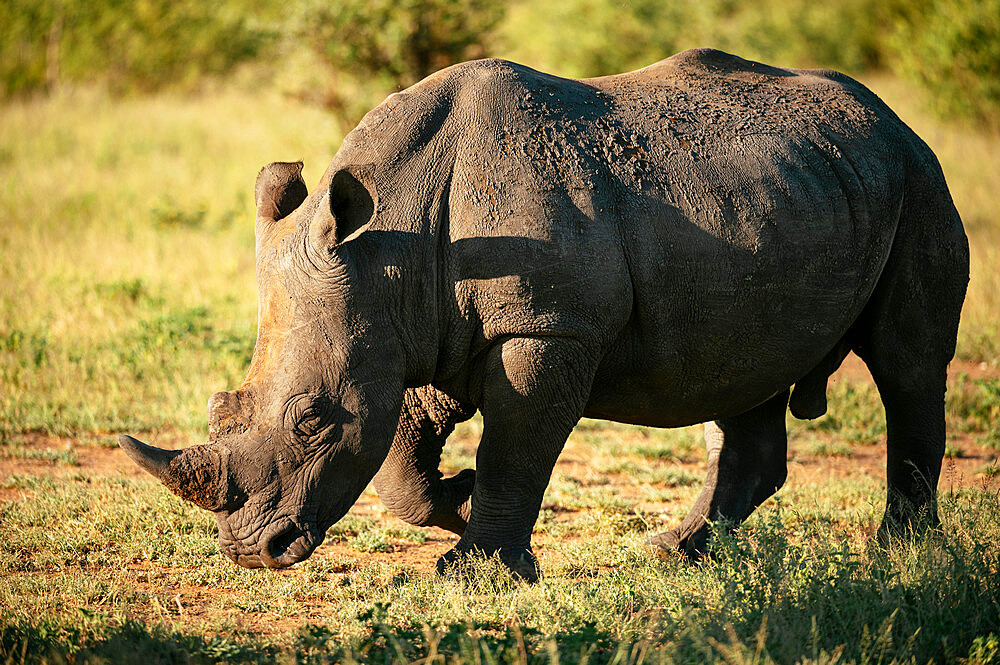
86, 457
10, 494
854, 369
186, 603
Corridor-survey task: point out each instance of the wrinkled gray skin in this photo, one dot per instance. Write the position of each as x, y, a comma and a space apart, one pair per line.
676, 245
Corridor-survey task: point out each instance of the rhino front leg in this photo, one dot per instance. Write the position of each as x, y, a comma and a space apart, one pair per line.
534, 391
746, 465
409, 482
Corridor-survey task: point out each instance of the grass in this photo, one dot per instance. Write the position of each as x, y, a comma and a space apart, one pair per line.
786, 585
57, 456
126, 280
127, 298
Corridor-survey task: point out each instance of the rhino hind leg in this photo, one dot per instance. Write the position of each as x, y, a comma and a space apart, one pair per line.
746, 465
908, 333
912, 390
915, 445
409, 483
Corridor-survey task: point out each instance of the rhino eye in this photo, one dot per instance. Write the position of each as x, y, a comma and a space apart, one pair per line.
310, 423
312, 418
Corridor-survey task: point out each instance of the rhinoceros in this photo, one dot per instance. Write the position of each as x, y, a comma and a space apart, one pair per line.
700, 241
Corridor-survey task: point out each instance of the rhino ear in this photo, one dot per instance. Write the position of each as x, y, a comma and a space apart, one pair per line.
348, 205
280, 189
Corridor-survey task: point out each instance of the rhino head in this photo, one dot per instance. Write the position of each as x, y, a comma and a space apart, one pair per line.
291, 449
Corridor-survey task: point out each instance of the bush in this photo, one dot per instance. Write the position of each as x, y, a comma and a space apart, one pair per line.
141, 45
951, 48
597, 37
591, 37
843, 35
376, 46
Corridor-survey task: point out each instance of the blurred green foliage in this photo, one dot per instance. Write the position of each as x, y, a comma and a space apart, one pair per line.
374, 46
405, 41
359, 50
951, 49
622, 36
124, 44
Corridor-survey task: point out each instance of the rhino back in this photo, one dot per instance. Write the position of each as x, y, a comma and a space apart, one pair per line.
713, 225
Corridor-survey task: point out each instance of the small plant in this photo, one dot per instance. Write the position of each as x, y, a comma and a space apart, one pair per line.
132, 290
953, 452
385, 539
831, 449
985, 650
370, 541
168, 215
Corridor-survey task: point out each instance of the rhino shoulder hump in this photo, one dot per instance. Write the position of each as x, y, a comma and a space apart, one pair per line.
714, 60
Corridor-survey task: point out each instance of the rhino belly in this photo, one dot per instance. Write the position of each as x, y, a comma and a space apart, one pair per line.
709, 382
716, 340
716, 328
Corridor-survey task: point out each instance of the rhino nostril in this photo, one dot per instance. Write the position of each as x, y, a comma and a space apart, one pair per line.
280, 545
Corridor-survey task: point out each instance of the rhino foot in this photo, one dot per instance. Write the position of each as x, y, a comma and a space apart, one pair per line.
906, 522
460, 563
669, 543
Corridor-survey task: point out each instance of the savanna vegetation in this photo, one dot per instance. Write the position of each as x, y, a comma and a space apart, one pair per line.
130, 135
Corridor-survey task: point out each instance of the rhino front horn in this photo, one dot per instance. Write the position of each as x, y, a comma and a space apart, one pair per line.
195, 474
155, 461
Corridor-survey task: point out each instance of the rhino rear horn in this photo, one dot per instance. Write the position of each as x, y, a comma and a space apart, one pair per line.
280, 189
196, 474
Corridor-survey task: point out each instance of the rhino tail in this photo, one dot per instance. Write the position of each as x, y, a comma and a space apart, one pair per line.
808, 400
